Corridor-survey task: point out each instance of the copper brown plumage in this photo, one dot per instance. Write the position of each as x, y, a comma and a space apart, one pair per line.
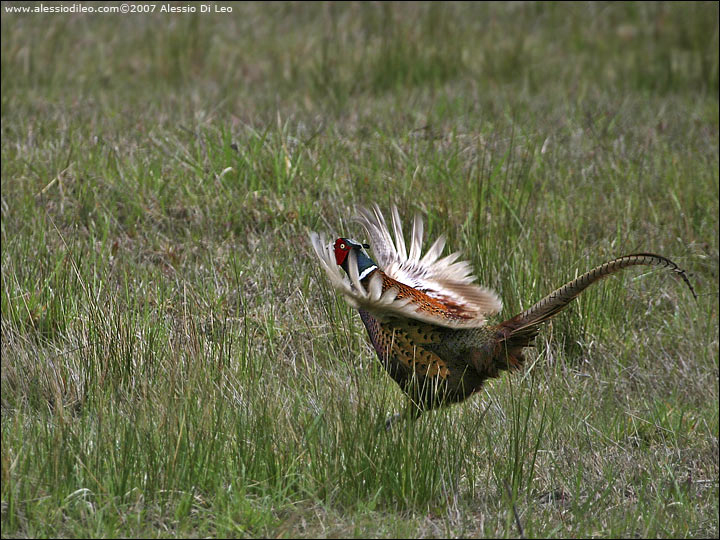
426, 318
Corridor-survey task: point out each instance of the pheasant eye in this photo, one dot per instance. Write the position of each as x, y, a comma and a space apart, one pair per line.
342, 246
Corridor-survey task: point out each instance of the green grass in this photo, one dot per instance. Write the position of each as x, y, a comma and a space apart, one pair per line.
174, 361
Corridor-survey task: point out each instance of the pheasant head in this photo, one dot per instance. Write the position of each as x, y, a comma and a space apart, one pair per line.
342, 249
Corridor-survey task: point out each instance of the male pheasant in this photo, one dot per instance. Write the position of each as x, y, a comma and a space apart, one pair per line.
427, 319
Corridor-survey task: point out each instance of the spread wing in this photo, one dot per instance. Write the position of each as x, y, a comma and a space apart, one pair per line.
445, 279
428, 289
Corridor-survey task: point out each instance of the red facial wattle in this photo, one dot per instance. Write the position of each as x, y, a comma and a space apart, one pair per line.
342, 248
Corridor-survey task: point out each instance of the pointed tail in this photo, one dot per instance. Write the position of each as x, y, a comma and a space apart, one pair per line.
523, 327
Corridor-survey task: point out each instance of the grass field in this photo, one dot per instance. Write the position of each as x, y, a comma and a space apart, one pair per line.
174, 361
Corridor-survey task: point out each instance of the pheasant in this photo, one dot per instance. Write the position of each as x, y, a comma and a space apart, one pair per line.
427, 319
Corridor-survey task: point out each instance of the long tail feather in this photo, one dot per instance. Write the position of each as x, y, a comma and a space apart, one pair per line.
552, 304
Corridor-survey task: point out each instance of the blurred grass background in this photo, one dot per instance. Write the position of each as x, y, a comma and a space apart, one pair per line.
175, 364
